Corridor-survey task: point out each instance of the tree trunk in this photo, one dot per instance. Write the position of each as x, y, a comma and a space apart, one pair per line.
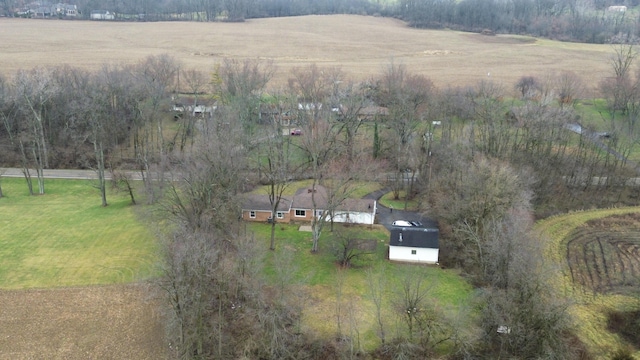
99, 151
272, 245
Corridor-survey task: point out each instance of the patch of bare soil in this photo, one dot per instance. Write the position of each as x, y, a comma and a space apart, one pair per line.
604, 254
626, 323
102, 322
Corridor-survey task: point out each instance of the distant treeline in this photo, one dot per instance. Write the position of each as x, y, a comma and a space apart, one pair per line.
568, 20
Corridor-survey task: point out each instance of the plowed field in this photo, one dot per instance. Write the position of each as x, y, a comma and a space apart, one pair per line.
604, 254
106, 322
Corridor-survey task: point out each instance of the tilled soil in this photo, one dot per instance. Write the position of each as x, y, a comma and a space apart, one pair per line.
101, 322
604, 254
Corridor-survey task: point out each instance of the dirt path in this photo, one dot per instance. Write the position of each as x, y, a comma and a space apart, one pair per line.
102, 322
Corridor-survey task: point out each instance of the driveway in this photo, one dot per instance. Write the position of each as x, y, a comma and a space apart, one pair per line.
386, 216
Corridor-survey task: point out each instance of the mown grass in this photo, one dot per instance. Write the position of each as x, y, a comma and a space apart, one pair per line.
319, 273
65, 238
389, 201
590, 309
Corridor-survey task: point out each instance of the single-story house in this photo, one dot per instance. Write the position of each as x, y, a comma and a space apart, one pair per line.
414, 244
257, 207
300, 208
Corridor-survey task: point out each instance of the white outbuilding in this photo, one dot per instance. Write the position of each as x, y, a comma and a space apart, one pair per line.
414, 244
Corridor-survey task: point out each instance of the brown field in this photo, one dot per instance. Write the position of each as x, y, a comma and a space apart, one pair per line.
362, 46
105, 322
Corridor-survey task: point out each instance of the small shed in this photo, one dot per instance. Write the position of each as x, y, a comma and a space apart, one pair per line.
414, 244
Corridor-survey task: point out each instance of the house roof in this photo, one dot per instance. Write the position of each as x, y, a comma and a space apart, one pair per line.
357, 205
261, 202
414, 237
302, 198
373, 110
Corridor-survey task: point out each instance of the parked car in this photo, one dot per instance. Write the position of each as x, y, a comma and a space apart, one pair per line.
407, 223
402, 223
296, 132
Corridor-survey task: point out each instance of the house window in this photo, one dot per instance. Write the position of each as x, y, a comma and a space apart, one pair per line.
252, 214
318, 213
413, 252
301, 213
280, 215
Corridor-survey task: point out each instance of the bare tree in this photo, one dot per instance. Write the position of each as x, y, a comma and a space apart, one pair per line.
239, 85
121, 180
349, 103
196, 82
277, 164
376, 281
522, 316
157, 76
406, 96
34, 89
349, 247
527, 86
570, 88
469, 194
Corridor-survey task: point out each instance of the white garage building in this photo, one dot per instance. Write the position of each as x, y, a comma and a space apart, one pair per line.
414, 244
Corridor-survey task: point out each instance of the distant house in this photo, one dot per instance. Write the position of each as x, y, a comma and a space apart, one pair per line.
66, 10
366, 113
102, 15
203, 110
41, 12
414, 244
300, 208
275, 114
617, 8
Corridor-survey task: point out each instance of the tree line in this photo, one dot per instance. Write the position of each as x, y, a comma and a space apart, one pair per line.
486, 160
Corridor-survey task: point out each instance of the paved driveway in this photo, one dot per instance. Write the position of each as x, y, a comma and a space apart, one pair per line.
386, 216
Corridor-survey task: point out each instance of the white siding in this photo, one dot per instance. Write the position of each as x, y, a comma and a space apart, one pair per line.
422, 255
353, 217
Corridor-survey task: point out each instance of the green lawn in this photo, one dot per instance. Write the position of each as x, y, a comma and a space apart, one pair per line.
318, 273
388, 201
65, 238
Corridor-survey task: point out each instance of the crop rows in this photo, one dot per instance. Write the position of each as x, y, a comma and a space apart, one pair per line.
604, 255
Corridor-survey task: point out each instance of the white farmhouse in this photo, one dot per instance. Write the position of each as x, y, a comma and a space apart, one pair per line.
414, 244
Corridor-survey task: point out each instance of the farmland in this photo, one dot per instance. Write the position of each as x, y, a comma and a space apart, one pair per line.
361, 46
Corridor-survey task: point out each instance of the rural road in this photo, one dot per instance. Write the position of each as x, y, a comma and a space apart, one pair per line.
64, 174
